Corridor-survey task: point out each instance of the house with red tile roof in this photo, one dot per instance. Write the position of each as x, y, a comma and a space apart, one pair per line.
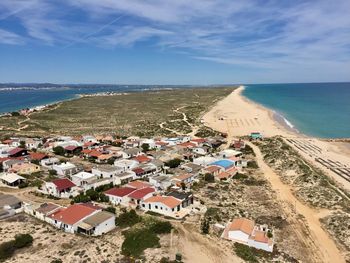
61, 188
84, 219
119, 195
37, 156
17, 152
213, 169
245, 231
136, 197
142, 159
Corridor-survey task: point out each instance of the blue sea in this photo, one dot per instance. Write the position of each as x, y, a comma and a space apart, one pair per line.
315, 109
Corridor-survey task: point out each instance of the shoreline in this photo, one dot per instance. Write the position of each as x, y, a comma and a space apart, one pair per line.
238, 116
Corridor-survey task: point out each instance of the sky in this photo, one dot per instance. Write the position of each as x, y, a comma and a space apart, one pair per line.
174, 41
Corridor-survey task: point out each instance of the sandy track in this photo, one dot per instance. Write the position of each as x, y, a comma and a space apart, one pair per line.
319, 241
197, 248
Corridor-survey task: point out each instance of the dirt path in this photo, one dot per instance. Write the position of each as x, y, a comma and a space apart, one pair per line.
196, 248
319, 240
25, 195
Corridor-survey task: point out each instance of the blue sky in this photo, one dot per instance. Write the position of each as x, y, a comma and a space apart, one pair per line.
174, 41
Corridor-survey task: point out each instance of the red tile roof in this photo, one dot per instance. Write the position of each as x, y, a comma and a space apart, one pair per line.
169, 201
86, 151
63, 184
187, 145
199, 140
71, 148
138, 170
93, 206
142, 159
95, 153
73, 214
37, 156
141, 193
15, 151
123, 191
7, 142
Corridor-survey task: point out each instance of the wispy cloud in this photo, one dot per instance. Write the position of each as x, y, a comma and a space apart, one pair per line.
10, 38
272, 35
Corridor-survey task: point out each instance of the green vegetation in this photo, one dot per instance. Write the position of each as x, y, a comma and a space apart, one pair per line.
134, 113
143, 233
59, 150
127, 219
90, 195
252, 164
136, 241
245, 252
110, 209
173, 163
7, 249
209, 178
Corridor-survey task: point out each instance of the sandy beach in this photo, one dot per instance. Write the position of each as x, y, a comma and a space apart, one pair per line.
239, 116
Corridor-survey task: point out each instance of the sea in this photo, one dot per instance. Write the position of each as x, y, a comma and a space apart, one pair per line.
315, 109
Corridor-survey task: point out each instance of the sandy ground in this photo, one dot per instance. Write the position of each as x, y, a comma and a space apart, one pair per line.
319, 241
238, 116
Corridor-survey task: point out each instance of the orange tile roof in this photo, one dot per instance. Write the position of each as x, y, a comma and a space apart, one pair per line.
224, 175
142, 159
212, 169
242, 224
73, 214
104, 156
37, 156
168, 201
138, 184
187, 145
260, 236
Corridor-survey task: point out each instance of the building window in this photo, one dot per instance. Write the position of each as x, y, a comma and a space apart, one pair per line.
156, 207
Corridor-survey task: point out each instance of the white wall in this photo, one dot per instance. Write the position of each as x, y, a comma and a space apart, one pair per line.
105, 227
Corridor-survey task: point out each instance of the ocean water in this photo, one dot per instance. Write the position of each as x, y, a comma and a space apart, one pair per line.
315, 109
19, 96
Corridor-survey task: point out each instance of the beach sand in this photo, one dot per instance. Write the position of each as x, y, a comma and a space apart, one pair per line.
239, 116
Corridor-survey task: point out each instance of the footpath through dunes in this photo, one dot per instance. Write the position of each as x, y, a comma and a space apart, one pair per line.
197, 248
318, 240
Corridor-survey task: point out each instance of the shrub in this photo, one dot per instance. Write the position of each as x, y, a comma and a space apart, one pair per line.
209, 178
52, 172
173, 163
59, 150
137, 241
23, 240
252, 164
245, 252
127, 219
161, 227
110, 209
7, 249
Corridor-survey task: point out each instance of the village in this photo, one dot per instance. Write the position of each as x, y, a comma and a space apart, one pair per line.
80, 185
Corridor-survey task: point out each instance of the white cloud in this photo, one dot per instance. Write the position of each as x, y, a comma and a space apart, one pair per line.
10, 38
272, 35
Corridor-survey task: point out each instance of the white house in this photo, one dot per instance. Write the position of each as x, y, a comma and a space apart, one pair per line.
165, 205
119, 195
124, 178
97, 224
61, 188
204, 160
83, 179
161, 182
126, 165
65, 169
107, 171
12, 179
49, 162
243, 230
